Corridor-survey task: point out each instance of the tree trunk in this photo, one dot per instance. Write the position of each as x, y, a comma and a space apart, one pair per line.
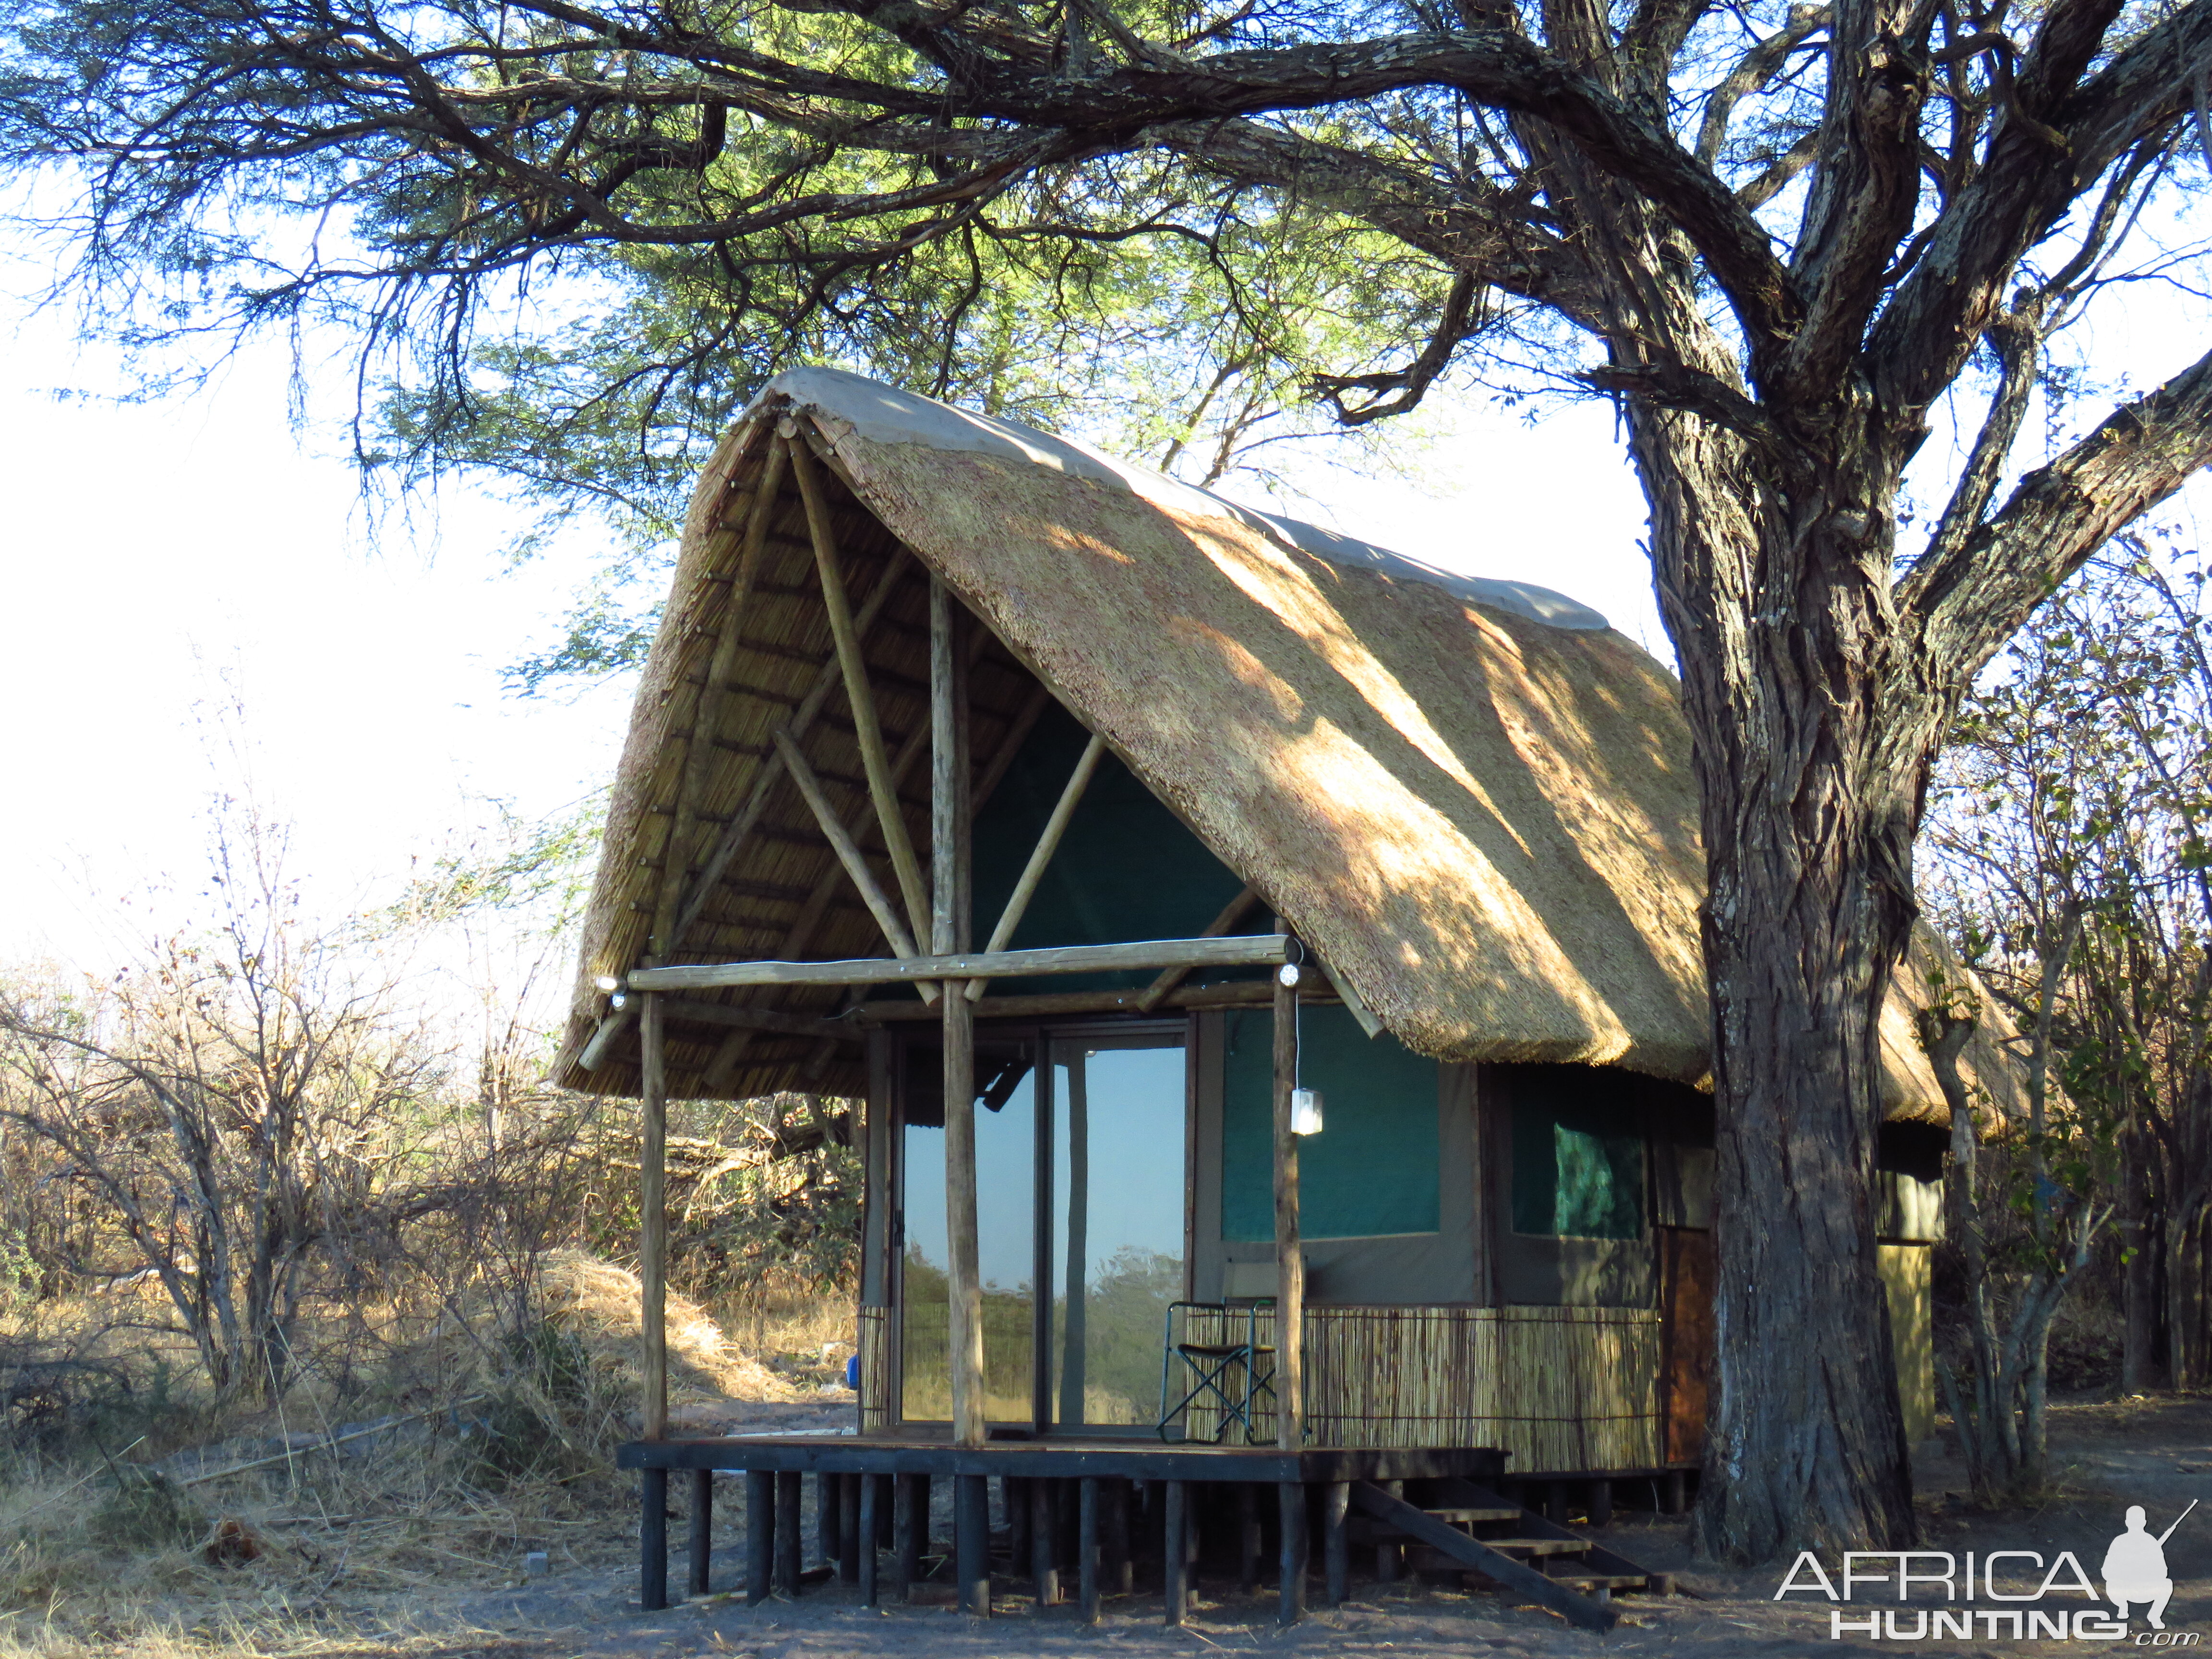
2138, 1287
1771, 591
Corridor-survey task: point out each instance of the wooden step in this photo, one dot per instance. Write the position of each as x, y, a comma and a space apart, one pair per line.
1536, 1546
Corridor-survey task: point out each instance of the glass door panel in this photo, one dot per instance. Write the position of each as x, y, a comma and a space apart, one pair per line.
1116, 1224
1006, 1207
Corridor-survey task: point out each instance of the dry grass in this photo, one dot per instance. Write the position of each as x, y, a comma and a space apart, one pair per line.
513, 1454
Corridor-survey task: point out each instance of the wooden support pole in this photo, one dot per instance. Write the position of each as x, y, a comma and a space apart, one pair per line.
1044, 1562
827, 1491
789, 1544
1177, 1549
1117, 1560
871, 1518
1087, 1557
802, 719
971, 1535
652, 1540
701, 1540
1290, 1257
1048, 843
1248, 1537
760, 1533
1390, 1559
1291, 1603
653, 1219
1335, 1542
909, 1530
949, 922
875, 760
1231, 914
848, 1529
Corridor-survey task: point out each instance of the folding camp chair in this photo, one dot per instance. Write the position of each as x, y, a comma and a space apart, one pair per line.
1226, 1375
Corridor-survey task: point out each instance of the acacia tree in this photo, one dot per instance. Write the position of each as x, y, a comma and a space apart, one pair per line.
1783, 232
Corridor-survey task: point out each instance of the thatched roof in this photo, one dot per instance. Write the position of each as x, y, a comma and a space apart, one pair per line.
1472, 799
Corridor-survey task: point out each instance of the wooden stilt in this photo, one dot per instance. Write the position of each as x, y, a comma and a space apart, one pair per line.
870, 1508
1017, 1517
1087, 1561
909, 1530
1335, 1542
1044, 1562
1248, 1537
1290, 1256
1390, 1559
1291, 1498
1678, 1489
971, 1526
653, 1216
1119, 1562
701, 1539
1600, 1502
849, 1528
652, 1540
1557, 1501
828, 1489
1175, 1548
788, 1544
760, 1533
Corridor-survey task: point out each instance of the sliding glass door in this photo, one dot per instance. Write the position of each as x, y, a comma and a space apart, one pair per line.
1080, 1187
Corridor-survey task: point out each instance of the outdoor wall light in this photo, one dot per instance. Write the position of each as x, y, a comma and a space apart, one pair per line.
1288, 973
619, 1000
608, 983
1305, 1111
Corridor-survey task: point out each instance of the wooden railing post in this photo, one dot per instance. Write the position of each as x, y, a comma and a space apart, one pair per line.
653, 1229
1290, 1260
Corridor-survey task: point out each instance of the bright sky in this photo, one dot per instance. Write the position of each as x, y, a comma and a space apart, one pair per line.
166, 562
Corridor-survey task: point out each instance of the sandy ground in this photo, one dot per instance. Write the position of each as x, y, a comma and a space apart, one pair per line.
2158, 1454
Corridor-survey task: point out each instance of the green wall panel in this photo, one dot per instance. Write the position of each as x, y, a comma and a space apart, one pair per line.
1373, 1168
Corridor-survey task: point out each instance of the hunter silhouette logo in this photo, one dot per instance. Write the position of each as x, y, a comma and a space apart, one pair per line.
2006, 1594
2134, 1567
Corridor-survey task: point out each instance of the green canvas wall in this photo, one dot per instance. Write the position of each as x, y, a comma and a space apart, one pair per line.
1126, 869
1371, 1170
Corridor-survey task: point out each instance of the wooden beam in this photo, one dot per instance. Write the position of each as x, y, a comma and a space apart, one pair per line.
761, 1019
856, 867
1231, 914
612, 1026
742, 823
1352, 1000
1237, 994
1289, 1259
1244, 951
706, 720
1040, 855
853, 665
653, 1228
950, 826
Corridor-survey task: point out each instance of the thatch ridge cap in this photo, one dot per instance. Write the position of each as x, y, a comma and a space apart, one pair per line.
884, 414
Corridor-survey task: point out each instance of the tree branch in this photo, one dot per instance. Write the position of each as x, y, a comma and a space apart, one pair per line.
1966, 604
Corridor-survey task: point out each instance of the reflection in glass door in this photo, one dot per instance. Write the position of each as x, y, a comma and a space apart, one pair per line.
1005, 1189
1116, 1235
